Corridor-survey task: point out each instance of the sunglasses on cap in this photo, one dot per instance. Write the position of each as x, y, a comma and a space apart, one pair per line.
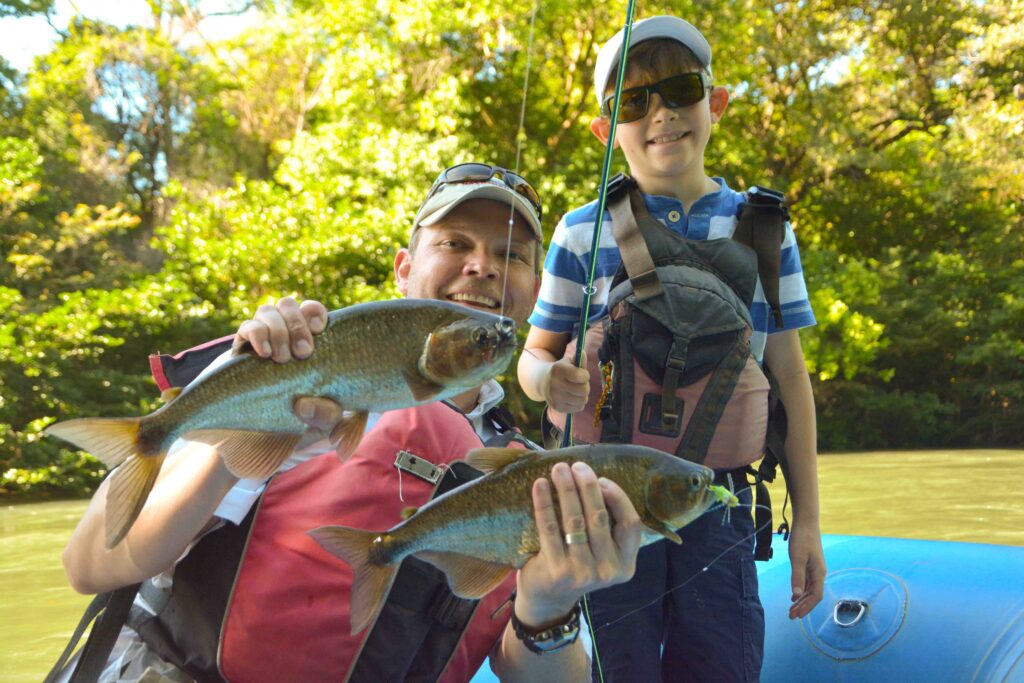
677, 91
481, 173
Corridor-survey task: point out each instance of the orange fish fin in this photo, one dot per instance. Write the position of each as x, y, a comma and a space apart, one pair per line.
248, 455
169, 394
493, 459
423, 390
347, 434
130, 485
109, 439
658, 527
371, 583
468, 577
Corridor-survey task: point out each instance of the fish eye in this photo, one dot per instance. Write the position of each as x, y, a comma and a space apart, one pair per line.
695, 481
479, 336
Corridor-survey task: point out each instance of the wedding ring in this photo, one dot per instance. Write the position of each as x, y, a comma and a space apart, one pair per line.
577, 538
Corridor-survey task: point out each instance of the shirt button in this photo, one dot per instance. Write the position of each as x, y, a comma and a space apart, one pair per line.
674, 216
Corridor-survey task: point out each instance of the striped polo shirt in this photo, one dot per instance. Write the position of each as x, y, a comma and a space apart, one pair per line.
713, 216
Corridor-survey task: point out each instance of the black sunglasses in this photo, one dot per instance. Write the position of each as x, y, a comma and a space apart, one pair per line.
677, 91
480, 173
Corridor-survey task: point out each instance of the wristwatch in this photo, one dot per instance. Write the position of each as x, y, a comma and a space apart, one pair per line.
550, 639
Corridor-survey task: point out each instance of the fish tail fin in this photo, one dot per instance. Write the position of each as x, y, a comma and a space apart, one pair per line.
115, 441
109, 439
130, 485
372, 580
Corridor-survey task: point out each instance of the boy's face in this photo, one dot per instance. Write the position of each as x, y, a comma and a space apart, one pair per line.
665, 148
462, 258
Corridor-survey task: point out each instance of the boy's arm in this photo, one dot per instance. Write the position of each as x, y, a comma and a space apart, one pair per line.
546, 375
784, 357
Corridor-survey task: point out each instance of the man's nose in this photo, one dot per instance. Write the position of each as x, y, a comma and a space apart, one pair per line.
482, 263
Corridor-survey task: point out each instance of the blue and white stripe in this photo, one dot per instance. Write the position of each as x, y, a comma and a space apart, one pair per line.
713, 216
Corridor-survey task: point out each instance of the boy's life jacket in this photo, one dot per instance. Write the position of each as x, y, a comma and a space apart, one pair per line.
670, 365
234, 591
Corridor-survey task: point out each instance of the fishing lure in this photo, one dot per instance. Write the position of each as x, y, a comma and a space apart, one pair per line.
724, 495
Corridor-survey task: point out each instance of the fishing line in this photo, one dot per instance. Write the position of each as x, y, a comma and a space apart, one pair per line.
595, 629
520, 135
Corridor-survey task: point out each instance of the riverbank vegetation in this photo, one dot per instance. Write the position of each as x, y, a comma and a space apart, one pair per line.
157, 186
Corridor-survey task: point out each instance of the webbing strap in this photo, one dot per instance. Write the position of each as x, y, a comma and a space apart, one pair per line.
108, 613
636, 257
701, 427
761, 225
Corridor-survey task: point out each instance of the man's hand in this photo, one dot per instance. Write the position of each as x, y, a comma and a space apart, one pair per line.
608, 533
567, 387
808, 562
283, 331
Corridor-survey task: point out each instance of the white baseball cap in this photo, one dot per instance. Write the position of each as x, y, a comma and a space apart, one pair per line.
451, 195
673, 28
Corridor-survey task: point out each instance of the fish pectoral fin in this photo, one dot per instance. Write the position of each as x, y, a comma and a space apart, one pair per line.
371, 583
347, 434
169, 394
130, 485
493, 459
468, 577
660, 528
422, 389
248, 454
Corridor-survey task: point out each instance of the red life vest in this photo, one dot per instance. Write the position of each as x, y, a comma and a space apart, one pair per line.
288, 616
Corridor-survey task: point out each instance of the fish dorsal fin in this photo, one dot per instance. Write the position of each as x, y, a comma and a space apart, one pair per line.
247, 454
422, 389
656, 526
494, 459
468, 577
347, 434
169, 394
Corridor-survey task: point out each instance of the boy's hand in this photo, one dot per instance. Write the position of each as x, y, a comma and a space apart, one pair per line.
808, 566
567, 387
283, 331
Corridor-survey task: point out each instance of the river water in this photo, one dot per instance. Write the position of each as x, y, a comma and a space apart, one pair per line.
943, 495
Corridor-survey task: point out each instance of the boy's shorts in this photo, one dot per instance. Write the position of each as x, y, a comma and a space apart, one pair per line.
712, 623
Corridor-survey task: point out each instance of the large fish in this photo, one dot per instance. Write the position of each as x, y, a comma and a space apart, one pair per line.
371, 357
478, 533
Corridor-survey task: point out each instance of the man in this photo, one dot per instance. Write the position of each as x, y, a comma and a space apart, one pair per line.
475, 241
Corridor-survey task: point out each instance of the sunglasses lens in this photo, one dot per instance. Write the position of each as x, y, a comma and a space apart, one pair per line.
466, 172
633, 105
682, 91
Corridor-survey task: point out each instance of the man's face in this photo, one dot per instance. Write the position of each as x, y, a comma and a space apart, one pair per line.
462, 257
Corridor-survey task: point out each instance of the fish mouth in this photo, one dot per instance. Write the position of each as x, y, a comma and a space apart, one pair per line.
666, 138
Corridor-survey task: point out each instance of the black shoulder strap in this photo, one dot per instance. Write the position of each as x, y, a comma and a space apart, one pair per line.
108, 613
762, 227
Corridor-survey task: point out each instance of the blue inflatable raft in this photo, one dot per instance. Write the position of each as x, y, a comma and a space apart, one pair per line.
896, 610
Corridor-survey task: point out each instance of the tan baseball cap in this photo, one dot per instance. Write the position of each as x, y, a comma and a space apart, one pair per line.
451, 195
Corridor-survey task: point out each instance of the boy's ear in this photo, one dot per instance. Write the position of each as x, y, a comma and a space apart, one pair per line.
600, 127
718, 99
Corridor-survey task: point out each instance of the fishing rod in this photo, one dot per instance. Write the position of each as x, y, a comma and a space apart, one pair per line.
602, 196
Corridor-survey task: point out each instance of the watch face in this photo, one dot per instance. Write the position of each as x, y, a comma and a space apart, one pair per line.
551, 639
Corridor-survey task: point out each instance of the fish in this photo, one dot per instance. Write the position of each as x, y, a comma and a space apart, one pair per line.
480, 532
371, 357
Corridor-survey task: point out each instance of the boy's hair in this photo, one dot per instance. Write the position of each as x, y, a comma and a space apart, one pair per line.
653, 60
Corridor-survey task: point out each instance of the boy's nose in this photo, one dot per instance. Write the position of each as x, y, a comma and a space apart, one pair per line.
658, 110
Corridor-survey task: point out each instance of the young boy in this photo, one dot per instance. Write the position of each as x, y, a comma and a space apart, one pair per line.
713, 627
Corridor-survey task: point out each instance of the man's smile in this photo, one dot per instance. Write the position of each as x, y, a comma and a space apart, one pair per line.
475, 299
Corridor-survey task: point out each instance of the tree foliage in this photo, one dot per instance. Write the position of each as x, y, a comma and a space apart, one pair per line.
156, 187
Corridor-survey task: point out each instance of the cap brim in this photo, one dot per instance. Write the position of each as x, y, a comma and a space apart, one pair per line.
442, 203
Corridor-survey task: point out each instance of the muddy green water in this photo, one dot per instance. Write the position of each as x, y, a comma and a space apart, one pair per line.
947, 495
